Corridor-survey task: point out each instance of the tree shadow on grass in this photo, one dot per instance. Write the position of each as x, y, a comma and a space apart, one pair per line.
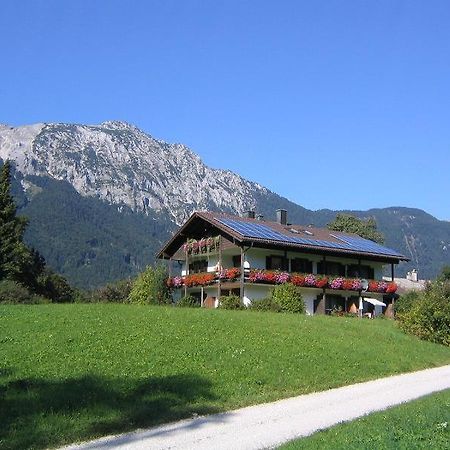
37, 413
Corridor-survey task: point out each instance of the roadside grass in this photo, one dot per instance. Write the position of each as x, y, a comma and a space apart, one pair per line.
423, 423
78, 371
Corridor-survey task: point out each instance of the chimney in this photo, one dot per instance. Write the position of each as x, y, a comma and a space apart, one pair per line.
282, 216
413, 275
249, 214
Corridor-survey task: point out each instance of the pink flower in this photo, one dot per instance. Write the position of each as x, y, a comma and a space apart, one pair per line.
337, 283
282, 277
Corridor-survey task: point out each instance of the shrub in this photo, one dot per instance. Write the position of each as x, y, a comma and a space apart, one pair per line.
230, 302
188, 302
55, 287
405, 302
288, 298
13, 292
265, 304
429, 316
150, 287
116, 292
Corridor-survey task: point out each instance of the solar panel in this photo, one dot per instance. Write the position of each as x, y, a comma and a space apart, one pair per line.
262, 231
369, 246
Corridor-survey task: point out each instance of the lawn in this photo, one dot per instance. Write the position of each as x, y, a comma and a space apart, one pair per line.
72, 372
421, 424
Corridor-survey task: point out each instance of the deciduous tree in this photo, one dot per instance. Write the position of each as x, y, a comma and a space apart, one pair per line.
350, 224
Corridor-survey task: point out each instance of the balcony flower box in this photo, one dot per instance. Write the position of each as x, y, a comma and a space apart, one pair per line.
278, 277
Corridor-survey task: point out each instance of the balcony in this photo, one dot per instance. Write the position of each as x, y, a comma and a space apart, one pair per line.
274, 277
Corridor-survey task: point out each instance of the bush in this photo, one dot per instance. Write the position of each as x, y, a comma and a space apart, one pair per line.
55, 287
230, 302
265, 304
405, 302
288, 298
117, 292
150, 287
13, 292
429, 316
189, 302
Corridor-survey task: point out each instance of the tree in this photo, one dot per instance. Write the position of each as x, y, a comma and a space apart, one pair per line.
17, 262
150, 287
350, 224
14, 255
445, 274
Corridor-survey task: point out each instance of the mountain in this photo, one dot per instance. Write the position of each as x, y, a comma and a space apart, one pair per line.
102, 198
118, 163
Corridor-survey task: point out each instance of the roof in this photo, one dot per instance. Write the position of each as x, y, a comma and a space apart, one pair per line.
268, 234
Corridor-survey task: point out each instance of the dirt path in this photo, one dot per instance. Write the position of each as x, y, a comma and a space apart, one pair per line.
270, 424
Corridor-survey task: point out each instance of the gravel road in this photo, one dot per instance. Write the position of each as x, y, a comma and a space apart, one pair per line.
270, 424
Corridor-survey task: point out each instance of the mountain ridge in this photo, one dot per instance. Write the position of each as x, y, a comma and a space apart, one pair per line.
127, 177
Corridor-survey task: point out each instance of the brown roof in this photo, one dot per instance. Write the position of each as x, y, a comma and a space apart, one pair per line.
304, 238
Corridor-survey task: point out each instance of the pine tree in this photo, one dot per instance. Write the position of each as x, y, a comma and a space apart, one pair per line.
14, 255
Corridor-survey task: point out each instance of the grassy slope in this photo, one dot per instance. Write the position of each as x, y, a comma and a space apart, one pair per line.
70, 372
424, 423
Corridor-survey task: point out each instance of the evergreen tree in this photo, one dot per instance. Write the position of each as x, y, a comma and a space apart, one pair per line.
14, 255
350, 224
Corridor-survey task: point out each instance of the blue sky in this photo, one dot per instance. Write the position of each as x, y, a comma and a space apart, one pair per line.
333, 104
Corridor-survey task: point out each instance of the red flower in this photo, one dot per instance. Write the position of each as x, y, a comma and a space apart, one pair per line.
199, 279
321, 282
298, 280
347, 285
391, 288
232, 274
270, 277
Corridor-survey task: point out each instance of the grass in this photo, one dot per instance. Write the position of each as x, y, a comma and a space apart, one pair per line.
421, 424
72, 372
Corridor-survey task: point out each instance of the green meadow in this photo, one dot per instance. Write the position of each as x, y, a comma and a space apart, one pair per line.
71, 372
421, 424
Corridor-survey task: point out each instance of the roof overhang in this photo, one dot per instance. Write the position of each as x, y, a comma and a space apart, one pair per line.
196, 224
201, 223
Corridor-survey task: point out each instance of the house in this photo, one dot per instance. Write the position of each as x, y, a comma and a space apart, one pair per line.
220, 254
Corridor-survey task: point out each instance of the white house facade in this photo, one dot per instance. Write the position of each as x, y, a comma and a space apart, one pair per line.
220, 254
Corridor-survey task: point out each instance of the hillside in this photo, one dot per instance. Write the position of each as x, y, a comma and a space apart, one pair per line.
101, 199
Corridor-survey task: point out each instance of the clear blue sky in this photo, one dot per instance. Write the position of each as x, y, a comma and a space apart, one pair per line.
333, 104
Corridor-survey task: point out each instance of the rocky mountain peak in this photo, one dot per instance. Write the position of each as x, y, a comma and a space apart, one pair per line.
118, 163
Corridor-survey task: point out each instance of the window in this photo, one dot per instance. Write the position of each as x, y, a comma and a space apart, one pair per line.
301, 265
236, 260
276, 262
330, 268
360, 271
198, 266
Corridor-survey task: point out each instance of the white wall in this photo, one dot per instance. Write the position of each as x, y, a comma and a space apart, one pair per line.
257, 259
212, 262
